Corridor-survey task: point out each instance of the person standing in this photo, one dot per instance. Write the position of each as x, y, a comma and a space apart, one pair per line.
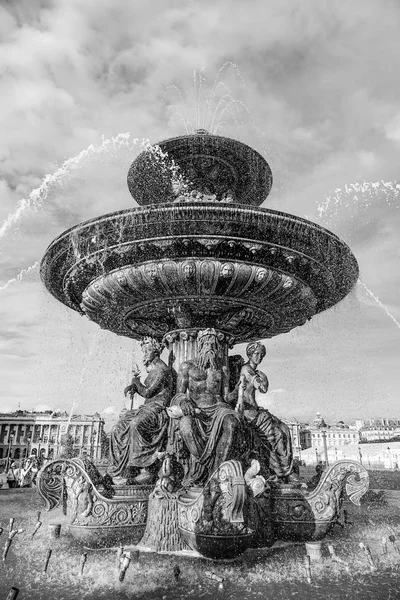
11, 477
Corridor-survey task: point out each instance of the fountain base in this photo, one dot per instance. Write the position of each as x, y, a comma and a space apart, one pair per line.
220, 520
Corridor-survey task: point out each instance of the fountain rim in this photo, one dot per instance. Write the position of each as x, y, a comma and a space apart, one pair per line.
176, 205
139, 222
207, 134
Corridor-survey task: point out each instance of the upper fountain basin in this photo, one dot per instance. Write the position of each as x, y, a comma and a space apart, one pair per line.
200, 165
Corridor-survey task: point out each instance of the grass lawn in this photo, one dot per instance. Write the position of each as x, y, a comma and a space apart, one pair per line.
275, 573
378, 480
384, 480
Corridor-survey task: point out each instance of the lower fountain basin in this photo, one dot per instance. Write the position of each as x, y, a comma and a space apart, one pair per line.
218, 546
107, 535
218, 526
251, 273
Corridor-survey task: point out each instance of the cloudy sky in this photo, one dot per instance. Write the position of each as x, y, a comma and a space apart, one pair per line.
313, 85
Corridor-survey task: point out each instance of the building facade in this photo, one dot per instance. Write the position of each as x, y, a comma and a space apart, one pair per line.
300, 435
23, 433
377, 423
337, 435
371, 456
376, 430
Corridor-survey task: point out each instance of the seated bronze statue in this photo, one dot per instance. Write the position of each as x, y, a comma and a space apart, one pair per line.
271, 436
141, 435
203, 422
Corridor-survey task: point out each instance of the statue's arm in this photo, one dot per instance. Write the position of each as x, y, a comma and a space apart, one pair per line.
156, 384
261, 382
186, 404
130, 389
232, 397
183, 378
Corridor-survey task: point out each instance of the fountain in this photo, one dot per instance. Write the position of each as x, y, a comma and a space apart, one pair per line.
199, 258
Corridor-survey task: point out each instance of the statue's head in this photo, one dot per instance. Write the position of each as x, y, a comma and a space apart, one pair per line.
256, 351
151, 270
227, 270
209, 349
151, 348
188, 268
261, 274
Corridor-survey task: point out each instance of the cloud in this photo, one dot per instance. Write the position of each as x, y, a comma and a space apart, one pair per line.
42, 407
312, 92
110, 410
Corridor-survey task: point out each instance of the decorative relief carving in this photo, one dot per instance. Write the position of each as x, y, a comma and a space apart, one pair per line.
333, 482
153, 298
87, 496
219, 508
322, 505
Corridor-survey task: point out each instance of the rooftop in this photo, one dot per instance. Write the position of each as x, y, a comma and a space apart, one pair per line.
47, 414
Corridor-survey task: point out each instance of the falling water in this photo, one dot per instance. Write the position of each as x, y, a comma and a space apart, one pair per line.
32, 269
210, 108
372, 295
214, 106
365, 192
39, 195
94, 344
40, 198
365, 195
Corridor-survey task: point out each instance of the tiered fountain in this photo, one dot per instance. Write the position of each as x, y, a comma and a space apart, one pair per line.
199, 253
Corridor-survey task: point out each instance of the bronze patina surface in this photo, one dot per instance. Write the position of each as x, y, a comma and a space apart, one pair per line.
196, 268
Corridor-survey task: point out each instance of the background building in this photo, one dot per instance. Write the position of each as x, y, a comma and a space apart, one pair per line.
23, 433
339, 434
372, 456
378, 429
300, 435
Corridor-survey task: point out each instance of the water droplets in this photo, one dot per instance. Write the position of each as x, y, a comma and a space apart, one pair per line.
364, 195
211, 107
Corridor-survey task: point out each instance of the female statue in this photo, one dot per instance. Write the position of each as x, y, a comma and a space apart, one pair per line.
271, 435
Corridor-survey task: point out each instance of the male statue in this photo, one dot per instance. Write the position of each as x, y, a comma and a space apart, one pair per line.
141, 434
211, 431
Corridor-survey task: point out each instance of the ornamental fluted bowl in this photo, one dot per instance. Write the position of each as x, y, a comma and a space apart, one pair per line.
251, 272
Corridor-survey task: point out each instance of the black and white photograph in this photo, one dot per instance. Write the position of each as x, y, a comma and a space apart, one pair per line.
199, 299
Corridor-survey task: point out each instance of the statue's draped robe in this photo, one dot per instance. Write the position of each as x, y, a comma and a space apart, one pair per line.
140, 434
201, 434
